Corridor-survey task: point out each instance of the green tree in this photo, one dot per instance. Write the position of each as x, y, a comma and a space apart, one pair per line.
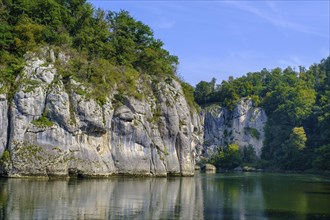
292, 150
27, 34
322, 161
202, 90
213, 84
248, 155
298, 138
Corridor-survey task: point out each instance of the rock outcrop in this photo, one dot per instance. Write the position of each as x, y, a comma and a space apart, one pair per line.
3, 121
244, 125
56, 131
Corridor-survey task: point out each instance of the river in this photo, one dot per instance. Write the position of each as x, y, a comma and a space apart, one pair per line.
204, 196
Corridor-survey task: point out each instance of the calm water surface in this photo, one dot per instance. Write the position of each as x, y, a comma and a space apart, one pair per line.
205, 196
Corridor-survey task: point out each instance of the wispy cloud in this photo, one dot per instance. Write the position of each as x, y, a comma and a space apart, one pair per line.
273, 6
158, 11
293, 61
165, 23
199, 68
273, 15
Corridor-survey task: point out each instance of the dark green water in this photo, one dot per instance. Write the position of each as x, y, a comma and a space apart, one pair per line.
205, 196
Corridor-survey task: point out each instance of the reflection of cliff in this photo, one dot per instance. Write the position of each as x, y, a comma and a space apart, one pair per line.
127, 198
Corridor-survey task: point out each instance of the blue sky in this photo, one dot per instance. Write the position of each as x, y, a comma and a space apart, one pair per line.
231, 38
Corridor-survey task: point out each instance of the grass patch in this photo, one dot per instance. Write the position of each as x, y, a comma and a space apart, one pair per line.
42, 122
3, 89
101, 100
30, 153
31, 85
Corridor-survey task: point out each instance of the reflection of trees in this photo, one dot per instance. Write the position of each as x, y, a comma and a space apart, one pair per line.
294, 196
3, 198
129, 198
234, 196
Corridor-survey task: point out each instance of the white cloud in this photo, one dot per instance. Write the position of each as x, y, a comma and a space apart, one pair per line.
292, 61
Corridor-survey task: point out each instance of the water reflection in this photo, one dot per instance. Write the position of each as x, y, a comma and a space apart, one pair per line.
126, 198
233, 196
205, 196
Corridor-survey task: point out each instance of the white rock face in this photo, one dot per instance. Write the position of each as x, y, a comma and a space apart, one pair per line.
3, 121
155, 137
243, 126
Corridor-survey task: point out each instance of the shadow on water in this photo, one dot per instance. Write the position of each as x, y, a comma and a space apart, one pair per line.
205, 196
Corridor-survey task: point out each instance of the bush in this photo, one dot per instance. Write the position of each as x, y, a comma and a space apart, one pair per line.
227, 157
42, 122
253, 132
188, 92
5, 156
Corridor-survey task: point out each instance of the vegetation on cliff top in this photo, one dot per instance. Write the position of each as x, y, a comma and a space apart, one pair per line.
108, 50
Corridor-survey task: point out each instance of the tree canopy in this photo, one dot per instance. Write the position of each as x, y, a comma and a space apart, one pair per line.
112, 41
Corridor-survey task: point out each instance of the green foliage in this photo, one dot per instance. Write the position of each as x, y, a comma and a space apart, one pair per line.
5, 157
188, 91
322, 161
10, 68
290, 153
101, 100
43, 121
227, 157
28, 34
120, 98
32, 153
248, 155
31, 85
298, 138
253, 132
109, 50
202, 90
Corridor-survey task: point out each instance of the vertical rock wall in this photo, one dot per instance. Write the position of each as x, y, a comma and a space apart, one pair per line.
243, 126
3, 121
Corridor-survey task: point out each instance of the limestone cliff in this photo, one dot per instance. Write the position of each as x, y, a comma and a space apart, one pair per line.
244, 125
53, 130
3, 121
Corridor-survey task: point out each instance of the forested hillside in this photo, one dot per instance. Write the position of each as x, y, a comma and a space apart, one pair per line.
298, 107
